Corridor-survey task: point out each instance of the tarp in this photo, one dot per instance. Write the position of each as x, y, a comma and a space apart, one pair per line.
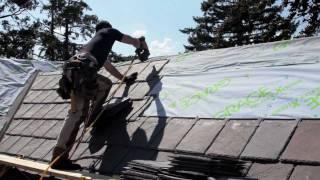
271, 80
13, 75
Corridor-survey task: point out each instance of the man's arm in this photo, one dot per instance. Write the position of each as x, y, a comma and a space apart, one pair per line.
112, 70
134, 42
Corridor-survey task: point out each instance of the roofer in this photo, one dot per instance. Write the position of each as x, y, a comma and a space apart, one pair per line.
81, 82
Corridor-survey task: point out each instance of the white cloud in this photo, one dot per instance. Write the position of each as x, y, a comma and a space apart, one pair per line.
160, 48
139, 33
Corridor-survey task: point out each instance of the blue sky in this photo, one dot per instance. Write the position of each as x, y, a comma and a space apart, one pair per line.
158, 20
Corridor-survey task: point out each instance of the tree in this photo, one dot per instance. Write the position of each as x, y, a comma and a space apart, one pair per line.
238, 22
307, 14
18, 32
69, 16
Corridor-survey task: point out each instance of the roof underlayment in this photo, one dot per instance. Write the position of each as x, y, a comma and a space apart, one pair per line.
272, 80
284, 147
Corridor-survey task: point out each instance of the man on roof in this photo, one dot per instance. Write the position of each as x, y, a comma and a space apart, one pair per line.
81, 82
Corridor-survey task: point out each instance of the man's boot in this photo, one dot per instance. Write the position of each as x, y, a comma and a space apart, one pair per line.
63, 163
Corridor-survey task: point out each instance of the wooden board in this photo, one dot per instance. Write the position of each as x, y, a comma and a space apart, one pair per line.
40, 168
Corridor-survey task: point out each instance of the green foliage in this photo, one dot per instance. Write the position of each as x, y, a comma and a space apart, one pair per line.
70, 16
238, 22
306, 13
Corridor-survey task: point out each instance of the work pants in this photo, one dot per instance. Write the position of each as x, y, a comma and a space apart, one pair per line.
73, 120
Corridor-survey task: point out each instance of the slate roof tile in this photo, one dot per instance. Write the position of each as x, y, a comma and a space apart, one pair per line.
304, 145
148, 131
200, 136
134, 154
58, 111
43, 150
269, 139
20, 144
32, 95
43, 84
41, 97
21, 127
31, 146
81, 148
13, 124
111, 158
123, 91
141, 90
123, 133
38, 81
233, 138
31, 127
50, 129
22, 110
172, 134
45, 126
163, 156
305, 173
151, 70
270, 171
32, 111
10, 141
53, 83
53, 95
43, 111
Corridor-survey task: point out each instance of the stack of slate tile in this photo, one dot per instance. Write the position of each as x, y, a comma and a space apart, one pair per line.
186, 167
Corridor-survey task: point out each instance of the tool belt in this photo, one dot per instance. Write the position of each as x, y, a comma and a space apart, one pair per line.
79, 76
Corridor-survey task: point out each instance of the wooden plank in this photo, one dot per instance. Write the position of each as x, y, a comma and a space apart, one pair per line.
40, 168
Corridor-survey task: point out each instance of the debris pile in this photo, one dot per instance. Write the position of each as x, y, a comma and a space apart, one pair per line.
186, 167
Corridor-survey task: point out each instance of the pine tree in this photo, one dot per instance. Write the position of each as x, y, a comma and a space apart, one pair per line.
18, 32
238, 22
307, 14
71, 17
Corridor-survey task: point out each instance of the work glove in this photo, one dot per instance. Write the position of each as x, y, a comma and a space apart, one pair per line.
131, 78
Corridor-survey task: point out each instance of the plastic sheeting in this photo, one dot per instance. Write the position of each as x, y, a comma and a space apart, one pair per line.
13, 76
271, 80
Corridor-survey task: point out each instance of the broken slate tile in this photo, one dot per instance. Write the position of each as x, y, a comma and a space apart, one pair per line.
31, 146
53, 95
269, 139
200, 136
270, 171
20, 144
172, 134
304, 145
306, 173
233, 138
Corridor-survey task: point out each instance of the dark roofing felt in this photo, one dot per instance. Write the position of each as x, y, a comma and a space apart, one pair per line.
278, 149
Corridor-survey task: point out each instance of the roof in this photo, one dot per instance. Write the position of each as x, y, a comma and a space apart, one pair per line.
277, 148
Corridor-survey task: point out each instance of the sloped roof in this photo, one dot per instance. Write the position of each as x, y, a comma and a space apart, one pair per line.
277, 148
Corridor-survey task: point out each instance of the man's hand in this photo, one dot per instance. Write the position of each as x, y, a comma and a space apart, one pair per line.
142, 48
131, 78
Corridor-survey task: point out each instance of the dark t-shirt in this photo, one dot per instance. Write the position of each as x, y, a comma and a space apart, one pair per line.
100, 45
